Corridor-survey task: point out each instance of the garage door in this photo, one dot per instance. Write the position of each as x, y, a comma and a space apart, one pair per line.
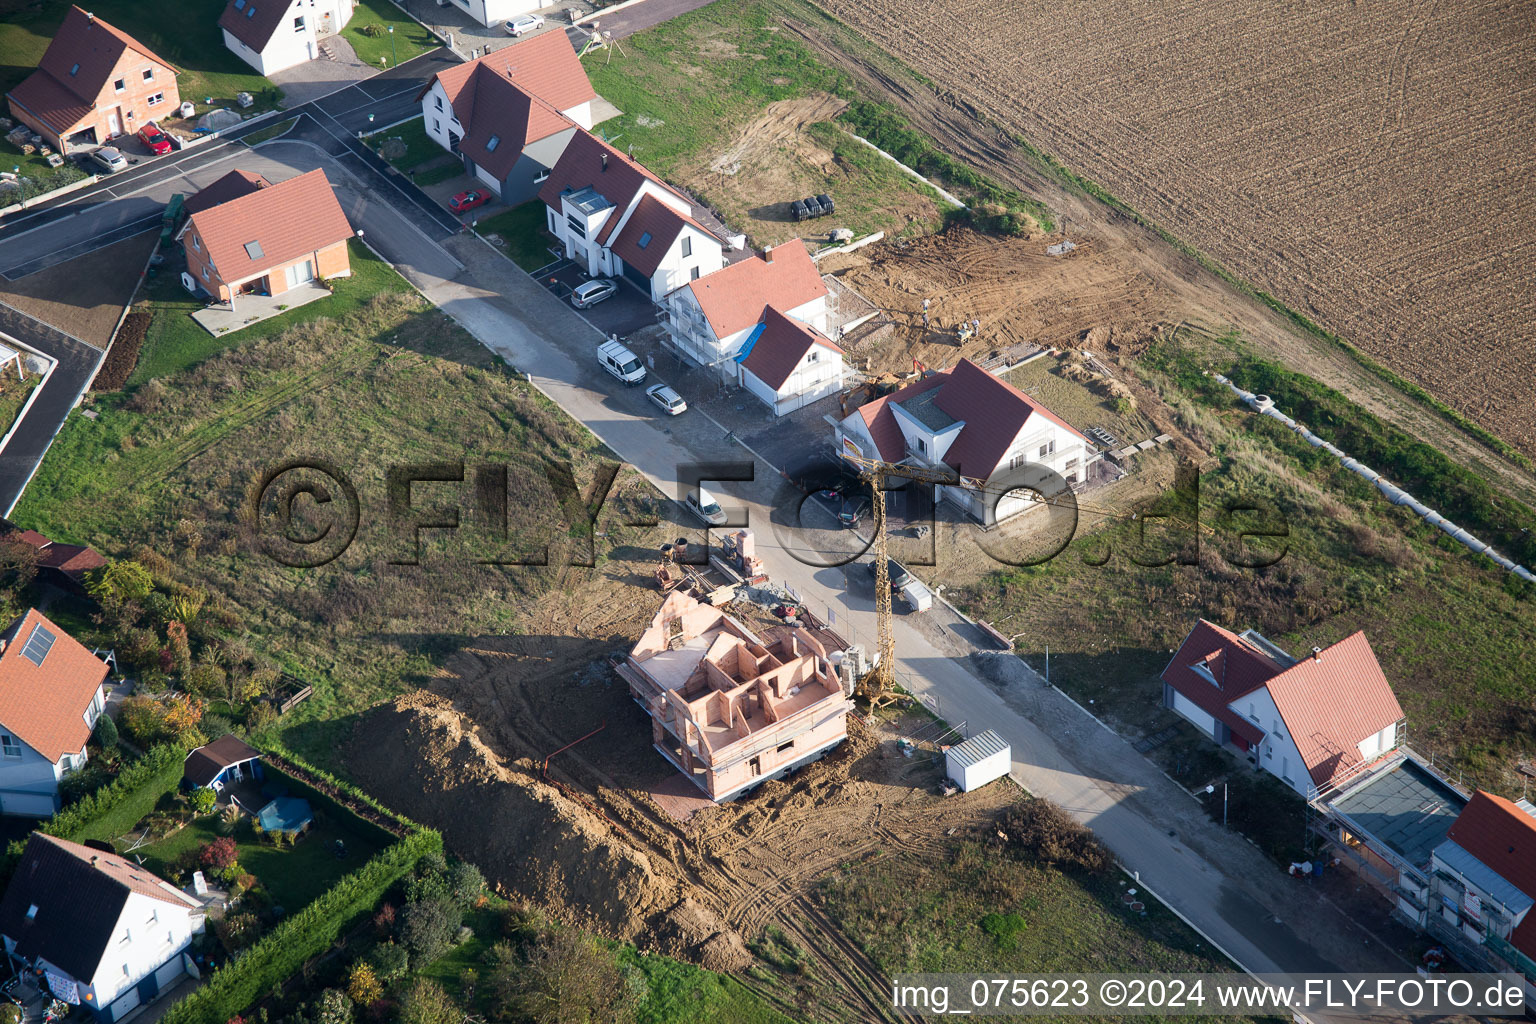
127, 1001
1202, 720
39, 805
169, 973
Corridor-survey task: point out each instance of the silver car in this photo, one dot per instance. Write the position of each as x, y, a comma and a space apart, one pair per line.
670, 401
527, 23
590, 293
109, 159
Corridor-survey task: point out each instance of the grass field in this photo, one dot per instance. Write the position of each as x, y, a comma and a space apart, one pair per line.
1448, 627
176, 342
522, 232
168, 473
186, 34
380, 51
419, 147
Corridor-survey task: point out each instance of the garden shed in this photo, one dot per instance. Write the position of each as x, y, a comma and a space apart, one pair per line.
225, 761
978, 761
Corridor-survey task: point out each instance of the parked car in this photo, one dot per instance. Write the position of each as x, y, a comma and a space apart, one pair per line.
158, 142
468, 200
620, 362
899, 576
527, 23
590, 293
670, 401
703, 504
853, 510
109, 159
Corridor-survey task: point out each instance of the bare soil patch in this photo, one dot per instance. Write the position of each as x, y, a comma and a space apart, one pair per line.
123, 356
84, 296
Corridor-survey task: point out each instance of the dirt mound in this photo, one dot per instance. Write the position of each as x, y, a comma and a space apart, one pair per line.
421, 756
779, 123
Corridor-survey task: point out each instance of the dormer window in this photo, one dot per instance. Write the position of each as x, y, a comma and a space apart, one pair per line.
32, 912
73, 71
490, 146
1203, 670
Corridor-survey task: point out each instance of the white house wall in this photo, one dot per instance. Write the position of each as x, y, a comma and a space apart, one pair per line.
289, 48
149, 943
1195, 715
1374, 744
676, 270
29, 784
1278, 754
497, 11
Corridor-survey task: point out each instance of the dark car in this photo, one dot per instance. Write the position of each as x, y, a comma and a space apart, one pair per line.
899, 576
854, 509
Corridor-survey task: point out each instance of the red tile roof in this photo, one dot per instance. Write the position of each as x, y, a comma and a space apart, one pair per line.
44, 705
512, 117
253, 21
62, 99
1238, 667
881, 422
655, 218
1331, 702
994, 412
780, 347
31, 538
1523, 938
71, 559
589, 162
544, 65
232, 186
1502, 836
287, 220
732, 298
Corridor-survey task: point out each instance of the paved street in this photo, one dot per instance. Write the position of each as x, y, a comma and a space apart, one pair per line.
1216, 879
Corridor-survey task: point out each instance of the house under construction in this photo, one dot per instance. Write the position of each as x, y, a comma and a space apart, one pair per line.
732, 709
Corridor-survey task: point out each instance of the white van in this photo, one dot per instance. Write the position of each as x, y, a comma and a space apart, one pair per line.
620, 362
703, 504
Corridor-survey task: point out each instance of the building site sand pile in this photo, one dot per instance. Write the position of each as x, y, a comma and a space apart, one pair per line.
423, 757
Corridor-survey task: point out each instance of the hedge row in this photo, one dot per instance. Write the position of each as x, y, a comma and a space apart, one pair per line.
276, 749
237, 984
114, 808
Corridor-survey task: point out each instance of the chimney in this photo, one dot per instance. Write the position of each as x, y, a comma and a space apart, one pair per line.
1317, 654
605, 162
768, 255
90, 17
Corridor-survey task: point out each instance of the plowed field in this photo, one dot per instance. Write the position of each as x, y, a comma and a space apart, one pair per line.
1367, 163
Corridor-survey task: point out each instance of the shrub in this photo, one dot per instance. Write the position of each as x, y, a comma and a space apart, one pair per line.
427, 929
570, 977
203, 800
389, 961
466, 884
220, 854
10, 1013
333, 1007
105, 732
1054, 837
425, 1002
119, 581
363, 985
1003, 928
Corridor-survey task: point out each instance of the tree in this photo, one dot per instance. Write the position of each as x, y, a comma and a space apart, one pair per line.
571, 979
389, 962
333, 1007
120, 581
465, 883
219, 854
425, 1002
105, 732
363, 985
18, 563
182, 716
427, 928
180, 648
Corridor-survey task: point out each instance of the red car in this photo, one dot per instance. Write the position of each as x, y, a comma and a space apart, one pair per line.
158, 142
468, 200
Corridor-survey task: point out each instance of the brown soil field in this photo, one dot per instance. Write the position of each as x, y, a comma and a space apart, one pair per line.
97, 285
1365, 163
588, 843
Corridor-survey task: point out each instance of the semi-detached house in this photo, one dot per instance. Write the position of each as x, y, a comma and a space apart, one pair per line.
274, 35
509, 114
94, 82
596, 205
987, 432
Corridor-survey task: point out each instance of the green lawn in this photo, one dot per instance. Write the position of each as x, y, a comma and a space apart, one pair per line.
293, 875
419, 146
522, 230
272, 131
175, 341
409, 38
185, 33
13, 395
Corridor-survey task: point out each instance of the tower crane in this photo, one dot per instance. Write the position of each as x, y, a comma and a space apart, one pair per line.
877, 684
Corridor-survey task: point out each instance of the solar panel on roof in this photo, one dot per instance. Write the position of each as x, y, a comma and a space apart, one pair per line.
38, 645
253, 250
